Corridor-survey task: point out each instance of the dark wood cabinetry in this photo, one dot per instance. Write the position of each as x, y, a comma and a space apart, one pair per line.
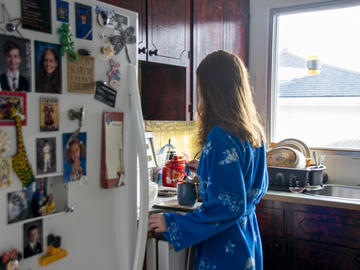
164, 29
169, 32
219, 25
179, 34
308, 237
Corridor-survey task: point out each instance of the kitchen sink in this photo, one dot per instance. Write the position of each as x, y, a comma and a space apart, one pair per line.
337, 191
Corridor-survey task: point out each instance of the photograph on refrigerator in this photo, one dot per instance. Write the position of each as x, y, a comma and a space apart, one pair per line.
49, 114
74, 149
47, 67
17, 206
33, 238
5, 172
45, 155
83, 21
12, 103
62, 11
15, 73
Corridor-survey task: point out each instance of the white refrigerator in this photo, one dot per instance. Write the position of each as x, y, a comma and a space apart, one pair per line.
108, 228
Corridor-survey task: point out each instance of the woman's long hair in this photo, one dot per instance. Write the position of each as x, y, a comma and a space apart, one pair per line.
55, 76
225, 98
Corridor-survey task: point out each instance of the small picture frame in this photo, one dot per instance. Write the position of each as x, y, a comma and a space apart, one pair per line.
17, 206
45, 155
74, 157
20, 49
49, 114
62, 11
83, 18
5, 172
150, 149
9, 99
33, 238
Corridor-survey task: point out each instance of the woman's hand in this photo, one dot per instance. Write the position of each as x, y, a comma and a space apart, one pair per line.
192, 165
157, 223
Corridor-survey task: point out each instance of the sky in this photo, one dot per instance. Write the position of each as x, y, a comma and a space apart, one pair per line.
332, 35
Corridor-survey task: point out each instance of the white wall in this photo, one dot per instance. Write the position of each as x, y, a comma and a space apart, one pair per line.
342, 169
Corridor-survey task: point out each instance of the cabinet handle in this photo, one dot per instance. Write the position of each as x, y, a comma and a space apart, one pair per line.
276, 246
357, 259
142, 50
154, 52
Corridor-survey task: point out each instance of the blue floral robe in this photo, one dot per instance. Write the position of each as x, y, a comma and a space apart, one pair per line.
233, 177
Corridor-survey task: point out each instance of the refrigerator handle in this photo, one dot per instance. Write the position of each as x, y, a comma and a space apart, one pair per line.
135, 108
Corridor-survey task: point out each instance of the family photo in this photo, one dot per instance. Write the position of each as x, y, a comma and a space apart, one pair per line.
74, 149
47, 68
15, 73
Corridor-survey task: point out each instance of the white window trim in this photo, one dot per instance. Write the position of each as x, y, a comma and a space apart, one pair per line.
272, 70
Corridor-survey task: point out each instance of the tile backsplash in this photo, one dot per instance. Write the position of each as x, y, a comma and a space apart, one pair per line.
182, 134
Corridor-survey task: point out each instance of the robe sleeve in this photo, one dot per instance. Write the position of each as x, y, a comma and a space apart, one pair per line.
222, 189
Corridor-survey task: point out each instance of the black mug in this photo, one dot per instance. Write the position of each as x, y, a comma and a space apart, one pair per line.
186, 194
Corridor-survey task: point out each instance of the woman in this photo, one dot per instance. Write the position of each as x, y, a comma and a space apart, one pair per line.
48, 78
232, 172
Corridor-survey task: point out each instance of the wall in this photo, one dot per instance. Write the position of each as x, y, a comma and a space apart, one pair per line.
182, 135
343, 167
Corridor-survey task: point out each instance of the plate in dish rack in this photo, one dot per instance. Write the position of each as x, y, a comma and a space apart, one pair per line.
281, 157
295, 144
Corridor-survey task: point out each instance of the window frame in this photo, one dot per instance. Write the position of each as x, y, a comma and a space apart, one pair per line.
273, 57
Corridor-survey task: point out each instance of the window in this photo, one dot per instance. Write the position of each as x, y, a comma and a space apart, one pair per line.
315, 83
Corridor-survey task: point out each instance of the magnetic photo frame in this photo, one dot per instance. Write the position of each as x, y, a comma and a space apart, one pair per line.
33, 231
48, 77
10, 45
45, 155
9, 99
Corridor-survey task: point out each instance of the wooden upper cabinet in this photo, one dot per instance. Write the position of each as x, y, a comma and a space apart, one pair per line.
169, 32
164, 29
219, 25
236, 28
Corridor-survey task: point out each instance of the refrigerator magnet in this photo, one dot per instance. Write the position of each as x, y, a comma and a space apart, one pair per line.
105, 94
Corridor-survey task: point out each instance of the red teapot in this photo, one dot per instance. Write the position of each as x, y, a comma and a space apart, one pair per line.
173, 171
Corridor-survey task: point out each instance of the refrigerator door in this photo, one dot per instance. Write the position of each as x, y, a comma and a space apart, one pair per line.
136, 113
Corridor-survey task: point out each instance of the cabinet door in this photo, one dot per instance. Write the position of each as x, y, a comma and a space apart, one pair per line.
313, 256
219, 25
138, 6
236, 28
274, 253
169, 31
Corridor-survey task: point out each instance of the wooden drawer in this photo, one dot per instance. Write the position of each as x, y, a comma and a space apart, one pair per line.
271, 221
338, 228
313, 256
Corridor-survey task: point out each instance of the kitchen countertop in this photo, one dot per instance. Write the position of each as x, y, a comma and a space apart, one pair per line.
275, 196
287, 197
312, 200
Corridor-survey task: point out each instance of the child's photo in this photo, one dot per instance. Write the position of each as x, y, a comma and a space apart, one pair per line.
5, 172
17, 206
83, 21
62, 11
15, 70
49, 114
47, 68
33, 239
45, 155
74, 149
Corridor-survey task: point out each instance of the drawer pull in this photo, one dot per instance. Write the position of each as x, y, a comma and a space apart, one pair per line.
276, 246
142, 50
154, 52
